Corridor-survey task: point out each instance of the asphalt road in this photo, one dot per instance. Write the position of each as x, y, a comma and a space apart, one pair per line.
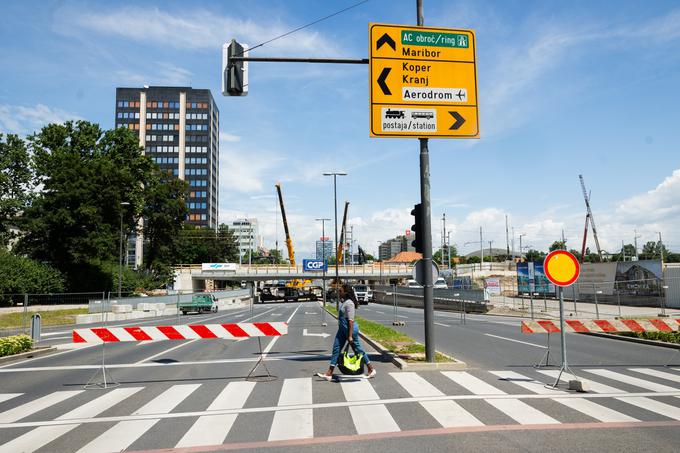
193, 395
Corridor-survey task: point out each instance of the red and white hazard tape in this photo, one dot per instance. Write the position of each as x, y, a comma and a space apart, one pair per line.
603, 325
185, 332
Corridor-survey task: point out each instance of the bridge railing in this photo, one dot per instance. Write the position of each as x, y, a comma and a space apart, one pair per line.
270, 269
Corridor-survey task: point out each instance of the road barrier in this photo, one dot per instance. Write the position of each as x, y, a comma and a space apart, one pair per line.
183, 332
603, 325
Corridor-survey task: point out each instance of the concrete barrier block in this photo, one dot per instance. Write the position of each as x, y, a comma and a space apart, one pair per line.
123, 308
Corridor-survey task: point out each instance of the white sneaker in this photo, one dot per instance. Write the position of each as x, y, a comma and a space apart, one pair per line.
325, 376
371, 374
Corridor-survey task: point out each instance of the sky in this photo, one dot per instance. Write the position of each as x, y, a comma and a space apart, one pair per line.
565, 88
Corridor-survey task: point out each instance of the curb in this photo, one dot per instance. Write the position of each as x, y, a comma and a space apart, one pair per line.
634, 340
415, 366
28, 354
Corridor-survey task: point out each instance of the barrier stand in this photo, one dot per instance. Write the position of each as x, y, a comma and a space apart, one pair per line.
260, 361
576, 383
106, 383
545, 356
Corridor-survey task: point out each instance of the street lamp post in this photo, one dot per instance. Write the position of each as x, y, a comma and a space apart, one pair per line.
323, 257
120, 249
335, 175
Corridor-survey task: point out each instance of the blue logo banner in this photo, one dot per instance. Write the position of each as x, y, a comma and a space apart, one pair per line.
314, 265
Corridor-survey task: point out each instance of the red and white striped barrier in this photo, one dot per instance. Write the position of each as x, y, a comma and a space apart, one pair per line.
603, 325
185, 332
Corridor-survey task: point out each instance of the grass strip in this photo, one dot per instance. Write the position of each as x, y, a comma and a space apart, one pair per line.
395, 341
47, 318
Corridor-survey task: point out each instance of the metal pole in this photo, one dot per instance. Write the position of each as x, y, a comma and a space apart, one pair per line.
563, 339
618, 296
323, 278
120, 255
597, 308
337, 269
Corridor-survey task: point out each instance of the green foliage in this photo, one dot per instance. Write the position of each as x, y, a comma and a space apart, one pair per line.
558, 245
668, 337
200, 245
47, 318
15, 344
16, 182
534, 255
271, 256
652, 250
23, 275
437, 257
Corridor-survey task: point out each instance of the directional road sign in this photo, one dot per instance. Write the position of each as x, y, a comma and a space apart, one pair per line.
561, 268
423, 82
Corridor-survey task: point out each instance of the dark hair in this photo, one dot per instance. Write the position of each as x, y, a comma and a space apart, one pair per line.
349, 294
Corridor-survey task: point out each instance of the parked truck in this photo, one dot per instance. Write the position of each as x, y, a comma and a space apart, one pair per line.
199, 303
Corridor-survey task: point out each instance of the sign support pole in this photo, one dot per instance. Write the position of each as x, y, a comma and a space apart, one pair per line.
426, 240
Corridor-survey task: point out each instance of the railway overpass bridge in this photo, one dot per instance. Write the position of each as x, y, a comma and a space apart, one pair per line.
209, 275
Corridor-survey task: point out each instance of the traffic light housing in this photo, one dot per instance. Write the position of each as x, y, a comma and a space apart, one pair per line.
234, 73
417, 228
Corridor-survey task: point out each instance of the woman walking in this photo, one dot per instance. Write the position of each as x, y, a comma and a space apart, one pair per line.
348, 330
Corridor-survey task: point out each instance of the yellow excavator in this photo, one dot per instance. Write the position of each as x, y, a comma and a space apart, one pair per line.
295, 283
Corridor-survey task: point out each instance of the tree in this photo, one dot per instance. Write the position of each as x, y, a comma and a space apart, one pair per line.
23, 275
558, 245
16, 183
85, 174
534, 255
202, 245
628, 251
652, 250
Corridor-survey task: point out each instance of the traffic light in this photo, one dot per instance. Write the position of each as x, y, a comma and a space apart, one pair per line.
417, 227
234, 73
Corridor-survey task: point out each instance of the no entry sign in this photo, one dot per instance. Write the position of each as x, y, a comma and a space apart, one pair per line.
561, 268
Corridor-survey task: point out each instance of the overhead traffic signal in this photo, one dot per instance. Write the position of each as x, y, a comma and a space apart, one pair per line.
417, 228
234, 73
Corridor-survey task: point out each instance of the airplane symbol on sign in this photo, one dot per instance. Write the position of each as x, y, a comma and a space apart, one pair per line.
460, 94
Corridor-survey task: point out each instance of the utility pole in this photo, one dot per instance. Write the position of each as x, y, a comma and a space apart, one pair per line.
623, 251
507, 240
635, 238
564, 241
661, 250
428, 303
491, 251
520, 246
323, 255
443, 237
448, 247
513, 244
481, 249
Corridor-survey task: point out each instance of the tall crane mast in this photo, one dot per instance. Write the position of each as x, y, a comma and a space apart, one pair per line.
341, 243
589, 215
289, 241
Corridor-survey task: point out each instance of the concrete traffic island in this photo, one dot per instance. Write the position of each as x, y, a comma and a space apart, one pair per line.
412, 361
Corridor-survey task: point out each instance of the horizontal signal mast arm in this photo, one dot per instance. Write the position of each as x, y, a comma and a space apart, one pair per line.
303, 60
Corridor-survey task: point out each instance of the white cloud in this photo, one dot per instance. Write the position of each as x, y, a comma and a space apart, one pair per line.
191, 29
163, 74
227, 137
659, 204
24, 120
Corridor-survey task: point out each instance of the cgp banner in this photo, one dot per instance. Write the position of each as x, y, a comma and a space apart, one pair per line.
314, 265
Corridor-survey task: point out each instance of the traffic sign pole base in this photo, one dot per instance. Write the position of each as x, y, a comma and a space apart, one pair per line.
106, 380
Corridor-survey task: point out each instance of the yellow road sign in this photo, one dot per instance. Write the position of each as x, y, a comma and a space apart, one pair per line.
423, 82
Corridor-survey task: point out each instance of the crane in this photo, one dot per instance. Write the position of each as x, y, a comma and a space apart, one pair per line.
589, 217
341, 243
289, 241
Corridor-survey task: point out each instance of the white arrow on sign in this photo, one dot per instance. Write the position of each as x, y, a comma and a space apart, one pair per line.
307, 334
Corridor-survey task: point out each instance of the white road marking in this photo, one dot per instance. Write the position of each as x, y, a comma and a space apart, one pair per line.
269, 347
521, 412
447, 413
517, 341
400, 316
30, 408
123, 434
298, 423
8, 396
653, 406
213, 429
595, 386
526, 382
46, 356
657, 373
472, 384
43, 435
443, 325
653, 386
370, 418
594, 410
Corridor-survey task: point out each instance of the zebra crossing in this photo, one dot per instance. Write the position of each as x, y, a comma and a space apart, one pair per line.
196, 414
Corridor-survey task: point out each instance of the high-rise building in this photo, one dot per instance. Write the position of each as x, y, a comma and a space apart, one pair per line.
178, 128
246, 233
324, 248
391, 247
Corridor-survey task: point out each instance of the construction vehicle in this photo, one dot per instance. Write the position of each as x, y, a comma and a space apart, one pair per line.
299, 289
